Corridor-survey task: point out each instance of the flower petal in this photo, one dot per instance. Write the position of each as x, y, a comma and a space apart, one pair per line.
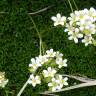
58, 15
80, 35
75, 40
54, 18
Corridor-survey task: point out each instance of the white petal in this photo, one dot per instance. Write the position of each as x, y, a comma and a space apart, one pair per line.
57, 81
70, 32
80, 35
59, 87
49, 69
50, 84
45, 71
65, 60
86, 44
34, 84
62, 23
81, 28
60, 66
66, 78
69, 18
75, 40
37, 77
31, 76
54, 71
53, 79
70, 38
66, 30
38, 81
65, 65
30, 81
78, 23
58, 15
56, 23
63, 18
54, 18
30, 65
53, 88
76, 30
32, 60
65, 83
82, 22
83, 40
60, 77
51, 50
39, 64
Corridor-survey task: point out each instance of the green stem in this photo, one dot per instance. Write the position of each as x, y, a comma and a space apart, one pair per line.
75, 4
41, 47
70, 5
40, 38
22, 89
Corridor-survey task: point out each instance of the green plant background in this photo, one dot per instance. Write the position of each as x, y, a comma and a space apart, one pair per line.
19, 42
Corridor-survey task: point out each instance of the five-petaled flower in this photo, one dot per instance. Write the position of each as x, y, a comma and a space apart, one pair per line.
62, 81
54, 85
42, 59
58, 83
50, 53
74, 35
87, 40
34, 80
34, 64
61, 62
59, 20
50, 72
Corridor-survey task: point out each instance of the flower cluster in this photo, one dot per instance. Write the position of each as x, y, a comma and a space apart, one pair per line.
45, 67
3, 81
81, 26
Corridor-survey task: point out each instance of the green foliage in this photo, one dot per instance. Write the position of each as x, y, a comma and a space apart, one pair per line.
19, 42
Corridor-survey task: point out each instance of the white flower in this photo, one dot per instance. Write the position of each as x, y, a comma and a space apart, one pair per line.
58, 20
54, 85
34, 64
50, 53
73, 18
34, 80
42, 59
61, 62
58, 83
58, 54
74, 35
50, 72
87, 40
92, 12
89, 29
62, 81
3, 81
